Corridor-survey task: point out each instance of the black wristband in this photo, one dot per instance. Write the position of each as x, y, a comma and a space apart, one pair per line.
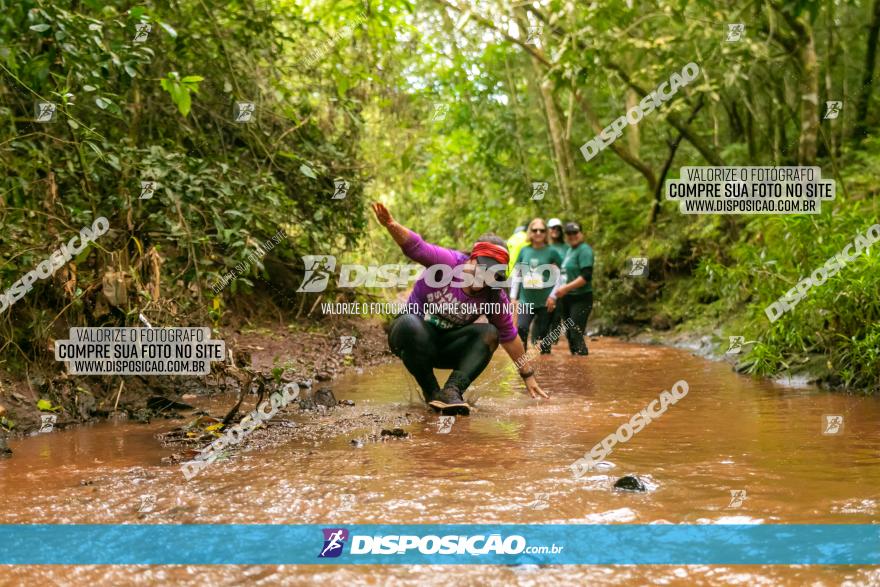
527, 374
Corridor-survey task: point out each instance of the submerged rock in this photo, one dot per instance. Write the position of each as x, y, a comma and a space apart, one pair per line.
396, 433
321, 399
630, 483
5, 451
160, 404
324, 397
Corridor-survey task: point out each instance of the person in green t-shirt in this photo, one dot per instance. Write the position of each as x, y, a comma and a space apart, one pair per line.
530, 284
557, 241
576, 295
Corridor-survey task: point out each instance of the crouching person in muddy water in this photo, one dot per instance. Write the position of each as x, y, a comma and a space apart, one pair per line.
438, 332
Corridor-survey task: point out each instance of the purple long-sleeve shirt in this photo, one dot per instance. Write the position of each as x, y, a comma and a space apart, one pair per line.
463, 312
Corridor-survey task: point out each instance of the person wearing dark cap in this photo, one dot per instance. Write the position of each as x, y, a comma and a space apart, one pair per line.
439, 330
574, 292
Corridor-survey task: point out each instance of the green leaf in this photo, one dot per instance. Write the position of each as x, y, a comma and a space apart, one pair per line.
45, 405
185, 103
102, 102
168, 29
40, 27
130, 70
192, 79
72, 123
88, 88
307, 171
95, 148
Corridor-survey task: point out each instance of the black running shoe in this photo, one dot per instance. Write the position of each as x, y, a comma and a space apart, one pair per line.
581, 351
450, 402
430, 396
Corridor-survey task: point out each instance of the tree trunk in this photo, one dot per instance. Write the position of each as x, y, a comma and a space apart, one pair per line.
860, 130
632, 130
624, 154
710, 154
561, 153
809, 96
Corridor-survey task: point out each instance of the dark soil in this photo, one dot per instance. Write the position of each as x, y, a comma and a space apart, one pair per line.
308, 351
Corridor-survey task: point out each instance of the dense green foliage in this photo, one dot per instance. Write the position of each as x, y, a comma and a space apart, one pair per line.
357, 91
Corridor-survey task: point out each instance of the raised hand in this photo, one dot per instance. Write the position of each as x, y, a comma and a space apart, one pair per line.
382, 214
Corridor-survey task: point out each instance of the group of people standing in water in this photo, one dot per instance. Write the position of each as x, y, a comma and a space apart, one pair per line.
538, 243
440, 329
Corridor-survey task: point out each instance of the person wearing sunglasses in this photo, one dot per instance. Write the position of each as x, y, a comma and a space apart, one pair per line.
529, 285
555, 238
439, 331
575, 297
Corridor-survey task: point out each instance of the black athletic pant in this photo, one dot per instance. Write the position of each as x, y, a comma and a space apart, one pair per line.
577, 308
424, 347
555, 319
541, 318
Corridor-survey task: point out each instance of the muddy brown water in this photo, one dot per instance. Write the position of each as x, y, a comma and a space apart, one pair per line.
507, 463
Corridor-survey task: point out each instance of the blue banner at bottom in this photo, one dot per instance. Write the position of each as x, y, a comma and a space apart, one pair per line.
626, 544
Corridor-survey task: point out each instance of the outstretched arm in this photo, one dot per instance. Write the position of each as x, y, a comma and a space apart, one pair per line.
517, 354
398, 232
412, 245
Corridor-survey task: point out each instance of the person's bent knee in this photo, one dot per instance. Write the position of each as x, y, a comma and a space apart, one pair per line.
407, 329
408, 324
490, 337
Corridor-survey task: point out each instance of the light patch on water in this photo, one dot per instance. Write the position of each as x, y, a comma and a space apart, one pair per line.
801, 381
864, 506
731, 520
620, 515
